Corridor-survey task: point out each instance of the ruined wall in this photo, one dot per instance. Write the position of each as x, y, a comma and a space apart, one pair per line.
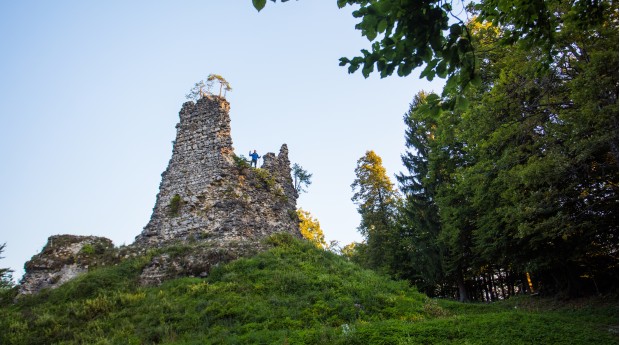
63, 258
210, 203
219, 197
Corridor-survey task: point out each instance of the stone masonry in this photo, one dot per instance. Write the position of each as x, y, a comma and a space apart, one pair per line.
211, 201
212, 207
208, 194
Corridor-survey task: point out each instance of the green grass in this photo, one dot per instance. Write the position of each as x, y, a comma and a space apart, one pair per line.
292, 294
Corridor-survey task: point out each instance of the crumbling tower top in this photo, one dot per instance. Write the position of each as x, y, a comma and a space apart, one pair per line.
207, 193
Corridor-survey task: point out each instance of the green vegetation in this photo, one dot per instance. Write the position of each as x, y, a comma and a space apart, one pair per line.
435, 35
5, 273
310, 229
267, 180
175, 205
293, 293
241, 163
203, 89
517, 174
377, 201
87, 249
7, 287
301, 178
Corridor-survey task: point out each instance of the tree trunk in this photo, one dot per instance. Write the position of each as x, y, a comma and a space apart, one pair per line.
463, 297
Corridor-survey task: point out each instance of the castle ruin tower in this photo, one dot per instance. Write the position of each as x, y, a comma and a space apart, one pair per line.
208, 194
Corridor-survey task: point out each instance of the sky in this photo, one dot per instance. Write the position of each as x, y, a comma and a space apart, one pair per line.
90, 94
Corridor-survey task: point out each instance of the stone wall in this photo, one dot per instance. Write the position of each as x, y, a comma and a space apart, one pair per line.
207, 194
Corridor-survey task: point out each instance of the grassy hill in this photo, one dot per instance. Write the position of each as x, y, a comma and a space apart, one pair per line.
291, 294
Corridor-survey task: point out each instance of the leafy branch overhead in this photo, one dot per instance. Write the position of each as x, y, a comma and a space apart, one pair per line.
408, 34
260, 4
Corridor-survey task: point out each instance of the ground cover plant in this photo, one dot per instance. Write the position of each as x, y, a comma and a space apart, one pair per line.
294, 293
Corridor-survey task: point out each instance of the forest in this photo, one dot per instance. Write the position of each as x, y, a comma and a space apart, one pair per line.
512, 171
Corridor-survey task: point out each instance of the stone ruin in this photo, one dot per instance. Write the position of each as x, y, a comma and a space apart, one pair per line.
210, 202
63, 258
207, 193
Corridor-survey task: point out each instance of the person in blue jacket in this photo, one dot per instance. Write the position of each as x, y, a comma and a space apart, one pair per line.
254, 157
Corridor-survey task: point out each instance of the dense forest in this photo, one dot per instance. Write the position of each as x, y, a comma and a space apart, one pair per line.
512, 171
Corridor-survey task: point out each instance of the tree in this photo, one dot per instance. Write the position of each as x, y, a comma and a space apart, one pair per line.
301, 178
420, 253
311, 229
6, 280
348, 251
202, 89
526, 171
377, 201
223, 83
356, 252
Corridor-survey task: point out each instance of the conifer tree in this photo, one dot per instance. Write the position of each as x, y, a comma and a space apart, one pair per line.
6, 280
377, 202
301, 178
420, 254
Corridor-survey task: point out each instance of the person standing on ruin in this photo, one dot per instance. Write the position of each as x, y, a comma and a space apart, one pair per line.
254, 157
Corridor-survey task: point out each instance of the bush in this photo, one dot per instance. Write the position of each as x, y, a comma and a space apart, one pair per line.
175, 205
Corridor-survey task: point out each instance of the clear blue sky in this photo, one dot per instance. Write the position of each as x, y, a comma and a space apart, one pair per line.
90, 94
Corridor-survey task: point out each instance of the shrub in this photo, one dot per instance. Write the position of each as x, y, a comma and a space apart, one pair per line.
88, 249
265, 177
241, 161
175, 205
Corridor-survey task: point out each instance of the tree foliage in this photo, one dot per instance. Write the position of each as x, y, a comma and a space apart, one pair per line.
420, 254
409, 34
311, 229
377, 202
6, 278
524, 177
204, 88
223, 83
301, 178
200, 89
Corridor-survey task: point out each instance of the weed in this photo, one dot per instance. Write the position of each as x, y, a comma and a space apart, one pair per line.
175, 205
265, 177
87, 249
241, 163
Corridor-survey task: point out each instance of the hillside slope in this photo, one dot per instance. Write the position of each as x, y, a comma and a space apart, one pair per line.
290, 294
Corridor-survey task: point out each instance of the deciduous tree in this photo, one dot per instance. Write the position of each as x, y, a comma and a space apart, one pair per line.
311, 229
408, 34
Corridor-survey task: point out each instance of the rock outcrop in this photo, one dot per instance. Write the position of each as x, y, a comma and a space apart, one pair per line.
63, 258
